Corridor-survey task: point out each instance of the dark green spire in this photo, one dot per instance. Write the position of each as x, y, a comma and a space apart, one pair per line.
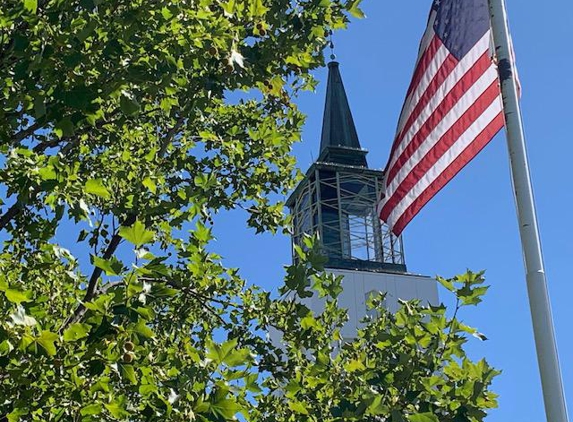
339, 143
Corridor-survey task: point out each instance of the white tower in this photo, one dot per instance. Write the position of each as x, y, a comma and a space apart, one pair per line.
337, 199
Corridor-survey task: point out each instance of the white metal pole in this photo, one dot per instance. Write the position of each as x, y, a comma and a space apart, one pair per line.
552, 384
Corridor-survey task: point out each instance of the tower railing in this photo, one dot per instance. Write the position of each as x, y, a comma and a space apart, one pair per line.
340, 205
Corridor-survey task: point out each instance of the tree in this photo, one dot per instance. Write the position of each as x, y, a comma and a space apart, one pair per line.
408, 366
131, 123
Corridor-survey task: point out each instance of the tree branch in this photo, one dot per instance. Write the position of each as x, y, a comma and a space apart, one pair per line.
202, 299
170, 135
110, 251
24, 133
92, 288
12, 212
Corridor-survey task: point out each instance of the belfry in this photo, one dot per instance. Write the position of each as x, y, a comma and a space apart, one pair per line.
337, 199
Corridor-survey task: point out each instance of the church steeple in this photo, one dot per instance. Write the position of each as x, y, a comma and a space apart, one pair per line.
337, 198
339, 142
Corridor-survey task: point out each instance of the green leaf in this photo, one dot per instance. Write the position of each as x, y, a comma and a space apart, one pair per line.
237, 358
257, 8
14, 416
448, 284
150, 184
309, 322
5, 348
87, 31
117, 408
112, 266
354, 365
18, 296
252, 383
228, 353
31, 5
226, 408
76, 332
376, 407
129, 104
147, 389
47, 340
64, 128
127, 372
20, 318
423, 417
298, 407
166, 13
96, 187
137, 234
355, 10
202, 233
39, 107
47, 173
229, 7
91, 409
161, 290
143, 330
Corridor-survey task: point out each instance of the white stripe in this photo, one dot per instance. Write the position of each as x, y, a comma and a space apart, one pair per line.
433, 67
448, 158
461, 69
464, 104
428, 36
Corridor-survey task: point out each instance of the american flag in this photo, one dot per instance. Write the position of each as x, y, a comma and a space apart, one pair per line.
453, 108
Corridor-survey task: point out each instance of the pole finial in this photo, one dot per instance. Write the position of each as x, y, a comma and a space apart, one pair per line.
331, 45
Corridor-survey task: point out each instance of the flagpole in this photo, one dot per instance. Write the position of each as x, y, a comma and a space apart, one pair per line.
551, 381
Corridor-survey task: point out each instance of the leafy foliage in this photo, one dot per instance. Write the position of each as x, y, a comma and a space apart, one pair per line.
408, 366
131, 123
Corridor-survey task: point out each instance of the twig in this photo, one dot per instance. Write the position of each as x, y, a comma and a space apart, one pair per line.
450, 325
193, 292
202, 299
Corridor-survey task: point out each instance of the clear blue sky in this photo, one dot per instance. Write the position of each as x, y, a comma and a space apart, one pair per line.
471, 223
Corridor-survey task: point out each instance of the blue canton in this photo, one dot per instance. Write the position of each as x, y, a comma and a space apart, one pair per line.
460, 24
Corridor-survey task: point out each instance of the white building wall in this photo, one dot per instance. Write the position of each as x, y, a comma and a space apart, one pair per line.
359, 285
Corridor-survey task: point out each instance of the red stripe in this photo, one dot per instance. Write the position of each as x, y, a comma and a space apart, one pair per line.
463, 159
427, 57
447, 140
448, 102
445, 70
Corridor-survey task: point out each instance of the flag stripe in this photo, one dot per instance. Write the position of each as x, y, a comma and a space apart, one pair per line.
427, 58
449, 173
434, 96
428, 35
437, 72
392, 213
432, 152
456, 102
445, 70
453, 108
419, 86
